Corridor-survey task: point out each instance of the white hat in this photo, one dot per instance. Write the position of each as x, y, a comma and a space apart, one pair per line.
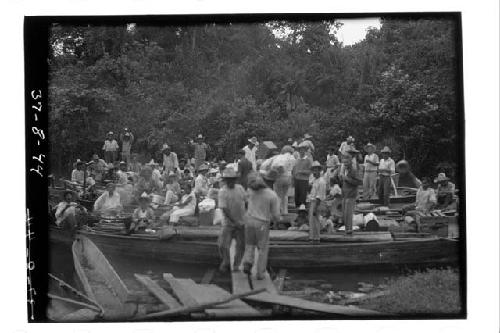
302, 207
144, 196
253, 140
441, 177
307, 136
315, 164
199, 136
152, 162
110, 132
213, 170
165, 146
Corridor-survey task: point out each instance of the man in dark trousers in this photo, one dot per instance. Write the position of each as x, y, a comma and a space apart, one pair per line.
301, 173
231, 200
244, 168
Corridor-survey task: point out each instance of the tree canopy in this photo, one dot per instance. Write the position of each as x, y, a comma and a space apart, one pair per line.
397, 87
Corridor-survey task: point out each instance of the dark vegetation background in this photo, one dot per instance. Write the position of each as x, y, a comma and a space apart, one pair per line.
232, 81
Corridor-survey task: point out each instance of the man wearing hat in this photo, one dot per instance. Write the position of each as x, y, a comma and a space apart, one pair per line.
386, 169
371, 167
301, 173
349, 142
122, 174
66, 211
316, 197
97, 167
251, 150
244, 168
78, 174
310, 147
110, 148
263, 209
231, 200
283, 163
170, 161
406, 177
445, 190
143, 215
201, 181
349, 179
200, 151
127, 138
109, 201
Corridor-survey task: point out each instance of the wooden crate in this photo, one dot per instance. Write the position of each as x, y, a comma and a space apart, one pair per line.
442, 226
206, 218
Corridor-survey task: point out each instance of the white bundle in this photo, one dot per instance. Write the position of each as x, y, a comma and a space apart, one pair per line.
206, 205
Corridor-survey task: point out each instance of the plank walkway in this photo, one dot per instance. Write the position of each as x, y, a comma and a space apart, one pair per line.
271, 296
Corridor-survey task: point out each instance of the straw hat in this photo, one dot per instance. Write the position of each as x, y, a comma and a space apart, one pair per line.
307, 136
287, 149
199, 136
123, 163
144, 197
441, 177
302, 208
315, 165
203, 167
386, 150
370, 145
253, 140
165, 146
270, 175
213, 170
229, 173
110, 133
350, 138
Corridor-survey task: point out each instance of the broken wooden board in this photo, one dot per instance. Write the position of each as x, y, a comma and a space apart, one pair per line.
158, 291
274, 299
181, 290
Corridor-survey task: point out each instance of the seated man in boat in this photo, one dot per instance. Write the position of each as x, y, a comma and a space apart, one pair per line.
143, 216
263, 209
445, 190
146, 183
122, 174
172, 188
97, 167
78, 174
67, 210
201, 181
109, 202
425, 199
185, 207
301, 222
232, 199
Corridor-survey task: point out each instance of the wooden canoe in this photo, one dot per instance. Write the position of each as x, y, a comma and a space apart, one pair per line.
291, 254
100, 281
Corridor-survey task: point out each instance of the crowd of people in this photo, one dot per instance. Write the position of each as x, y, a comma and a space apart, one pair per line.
251, 194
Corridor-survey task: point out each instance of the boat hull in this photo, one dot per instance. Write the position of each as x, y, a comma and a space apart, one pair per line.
299, 255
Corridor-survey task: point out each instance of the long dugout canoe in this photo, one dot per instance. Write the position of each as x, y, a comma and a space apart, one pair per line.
285, 255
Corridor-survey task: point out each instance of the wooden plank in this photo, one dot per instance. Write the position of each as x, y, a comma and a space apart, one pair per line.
235, 308
180, 290
279, 282
311, 306
158, 291
208, 276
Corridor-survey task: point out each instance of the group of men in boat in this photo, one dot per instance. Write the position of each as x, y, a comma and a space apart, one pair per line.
250, 194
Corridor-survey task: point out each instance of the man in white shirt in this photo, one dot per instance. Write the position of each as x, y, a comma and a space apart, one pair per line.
122, 173
310, 146
284, 164
78, 174
110, 148
316, 197
66, 211
109, 202
349, 142
370, 176
250, 151
201, 181
386, 169
170, 161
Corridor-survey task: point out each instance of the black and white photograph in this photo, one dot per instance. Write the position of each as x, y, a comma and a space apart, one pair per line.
247, 167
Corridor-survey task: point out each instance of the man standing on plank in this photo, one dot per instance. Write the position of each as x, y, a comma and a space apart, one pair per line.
232, 198
200, 151
301, 173
263, 209
386, 169
317, 195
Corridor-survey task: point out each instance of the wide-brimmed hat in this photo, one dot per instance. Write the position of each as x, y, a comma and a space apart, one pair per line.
213, 170
270, 175
441, 177
350, 138
127, 134
370, 145
165, 146
203, 167
144, 197
110, 133
229, 173
123, 163
287, 149
253, 140
386, 150
302, 208
307, 136
199, 136
315, 165
79, 162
